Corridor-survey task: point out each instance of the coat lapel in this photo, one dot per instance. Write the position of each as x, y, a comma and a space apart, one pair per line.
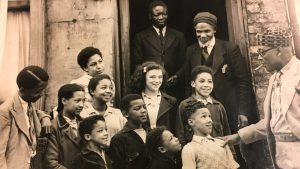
169, 39
19, 116
196, 58
267, 102
288, 89
164, 106
153, 39
218, 59
67, 130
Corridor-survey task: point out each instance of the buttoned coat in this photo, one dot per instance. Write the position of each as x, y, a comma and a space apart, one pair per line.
15, 142
290, 109
63, 145
232, 80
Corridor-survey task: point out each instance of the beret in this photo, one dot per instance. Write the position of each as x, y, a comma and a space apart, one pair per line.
205, 17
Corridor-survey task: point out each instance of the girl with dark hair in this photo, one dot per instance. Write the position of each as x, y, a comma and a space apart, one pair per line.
63, 144
147, 81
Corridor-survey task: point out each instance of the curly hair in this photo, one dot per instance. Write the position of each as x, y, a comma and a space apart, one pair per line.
137, 83
191, 108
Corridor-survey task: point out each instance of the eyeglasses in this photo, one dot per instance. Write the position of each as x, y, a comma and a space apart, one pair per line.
261, 52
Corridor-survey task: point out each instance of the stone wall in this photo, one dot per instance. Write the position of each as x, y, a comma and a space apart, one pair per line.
262, 14
71, 26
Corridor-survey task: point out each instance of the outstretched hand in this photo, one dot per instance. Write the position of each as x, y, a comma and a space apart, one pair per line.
231, 140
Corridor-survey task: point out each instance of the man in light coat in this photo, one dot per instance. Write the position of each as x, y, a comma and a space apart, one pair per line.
21, 123
281, 125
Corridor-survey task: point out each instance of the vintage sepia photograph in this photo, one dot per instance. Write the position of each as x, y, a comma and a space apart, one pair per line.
149, 84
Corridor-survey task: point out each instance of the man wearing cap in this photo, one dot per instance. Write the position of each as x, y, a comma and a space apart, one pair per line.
162, 44
21, 123
232, 80
281, 125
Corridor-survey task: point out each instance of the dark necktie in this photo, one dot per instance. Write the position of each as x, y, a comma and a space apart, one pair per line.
161, 36
32, 132
204, 53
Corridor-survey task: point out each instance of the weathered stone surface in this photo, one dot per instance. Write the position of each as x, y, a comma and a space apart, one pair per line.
71, 26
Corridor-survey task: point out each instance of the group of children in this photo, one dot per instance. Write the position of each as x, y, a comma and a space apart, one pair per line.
88, 132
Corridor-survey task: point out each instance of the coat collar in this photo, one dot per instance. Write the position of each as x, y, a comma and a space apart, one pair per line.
65, 128
165, 104
18, 113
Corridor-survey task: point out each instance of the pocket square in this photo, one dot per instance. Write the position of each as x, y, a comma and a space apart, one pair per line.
224, 68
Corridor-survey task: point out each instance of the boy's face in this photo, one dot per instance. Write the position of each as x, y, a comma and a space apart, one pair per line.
169, 142
103, 91
74, 105
137, 111
33, 94
203, 84
201, 122
154, 80
99, 134
95, 65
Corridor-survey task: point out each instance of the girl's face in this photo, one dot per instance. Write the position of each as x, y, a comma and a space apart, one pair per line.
74, 105
203, 84
103, 91
154, 79
95, 65
99, 134
201, 122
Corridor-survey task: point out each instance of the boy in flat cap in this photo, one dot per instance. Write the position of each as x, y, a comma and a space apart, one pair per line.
164, 45
281, 125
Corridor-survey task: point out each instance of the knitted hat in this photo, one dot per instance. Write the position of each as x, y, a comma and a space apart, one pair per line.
274, 37
205, 17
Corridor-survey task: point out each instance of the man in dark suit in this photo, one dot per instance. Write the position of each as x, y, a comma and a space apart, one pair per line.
164, 45
232, 80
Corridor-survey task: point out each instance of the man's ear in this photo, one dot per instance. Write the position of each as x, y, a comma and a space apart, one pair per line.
87, 137
92, 92
162, 149
279, 50
193, 83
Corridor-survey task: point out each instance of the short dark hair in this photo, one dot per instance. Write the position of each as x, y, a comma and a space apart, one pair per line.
138, 79
157, 3
88, 124
191, 108
125, 102
31, 76
85, 54
154, 139
95, 80
198, 70
66, 91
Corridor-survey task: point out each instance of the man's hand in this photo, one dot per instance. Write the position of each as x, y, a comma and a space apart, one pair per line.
171, 80
231, 140
46, 125
242, 121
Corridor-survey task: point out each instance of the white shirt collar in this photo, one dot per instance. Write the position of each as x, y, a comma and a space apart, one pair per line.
210, 45
163, 30
205, 101
200, 139
24, 104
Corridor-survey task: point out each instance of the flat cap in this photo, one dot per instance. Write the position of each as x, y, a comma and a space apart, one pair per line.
205, 17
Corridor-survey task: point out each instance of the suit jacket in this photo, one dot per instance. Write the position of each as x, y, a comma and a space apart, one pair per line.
15, 142
166, 112
63, 145
232, 80
290, 108
147, 47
